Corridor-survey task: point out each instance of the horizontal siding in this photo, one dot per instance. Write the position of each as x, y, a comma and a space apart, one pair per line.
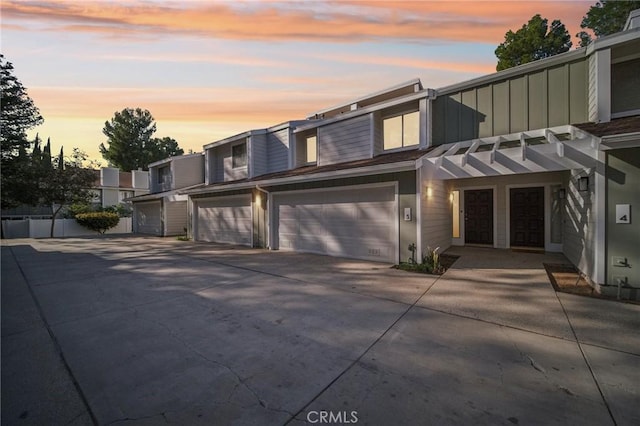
579, 225
435, 219
258, 154
278, 151
188, 171
344, 141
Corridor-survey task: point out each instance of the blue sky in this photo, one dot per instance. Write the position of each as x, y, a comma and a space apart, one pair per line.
210, 69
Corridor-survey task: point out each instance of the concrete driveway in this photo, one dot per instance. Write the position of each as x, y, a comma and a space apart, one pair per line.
151, 331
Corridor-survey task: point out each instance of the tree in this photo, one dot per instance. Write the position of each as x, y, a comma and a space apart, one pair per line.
18, 114
131, 146
534, 41
65, 182
605, 18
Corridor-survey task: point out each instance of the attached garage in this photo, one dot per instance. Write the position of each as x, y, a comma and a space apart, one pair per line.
359, 222
148, 218
223, 219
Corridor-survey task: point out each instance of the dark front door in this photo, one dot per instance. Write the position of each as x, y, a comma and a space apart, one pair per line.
527, 217
478, 216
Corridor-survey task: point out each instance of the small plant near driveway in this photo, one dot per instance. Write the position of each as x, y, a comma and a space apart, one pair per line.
432, 262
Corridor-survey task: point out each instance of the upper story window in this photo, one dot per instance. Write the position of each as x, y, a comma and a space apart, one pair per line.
401, 131
239, 155
164, 175
312, 149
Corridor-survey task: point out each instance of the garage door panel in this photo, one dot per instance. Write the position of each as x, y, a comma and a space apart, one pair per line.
225, 220
358, 223
149, 218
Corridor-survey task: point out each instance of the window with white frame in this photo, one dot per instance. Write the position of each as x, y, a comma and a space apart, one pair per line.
239, 155
401, 131
312, 149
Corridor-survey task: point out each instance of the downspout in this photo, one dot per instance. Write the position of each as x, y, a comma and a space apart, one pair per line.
267, 220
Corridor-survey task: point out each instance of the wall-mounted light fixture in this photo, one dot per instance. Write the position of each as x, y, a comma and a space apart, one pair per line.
562, 194
583, 184
429, 191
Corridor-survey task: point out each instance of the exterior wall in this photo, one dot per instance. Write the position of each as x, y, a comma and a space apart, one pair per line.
140, 180
260, 219
500, 183
258, 154
579, 230
109, 176
278, 151
435, 215
223, 166
175, 218
623, 175
378, 141
343, 141
187, 171
550, 97
110, 197
406, 198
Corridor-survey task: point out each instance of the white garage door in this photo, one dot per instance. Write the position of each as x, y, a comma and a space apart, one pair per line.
359, 222
148, 218
224, 220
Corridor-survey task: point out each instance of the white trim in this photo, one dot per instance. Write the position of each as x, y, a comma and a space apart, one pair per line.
394, 184
418, 212
198, 201
463, 224
600, 253
548, 245
622, 114
377, 169
363, 111
382, 92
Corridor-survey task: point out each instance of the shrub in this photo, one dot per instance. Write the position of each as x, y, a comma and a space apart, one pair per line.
98, 221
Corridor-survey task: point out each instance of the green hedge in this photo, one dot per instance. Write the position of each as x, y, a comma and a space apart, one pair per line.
98, 221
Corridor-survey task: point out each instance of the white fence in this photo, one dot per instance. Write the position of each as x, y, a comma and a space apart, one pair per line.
41, 228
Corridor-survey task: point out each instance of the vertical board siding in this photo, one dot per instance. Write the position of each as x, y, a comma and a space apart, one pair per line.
435, 217
278, 151
344, 141
175, 218
258, 154
546, 98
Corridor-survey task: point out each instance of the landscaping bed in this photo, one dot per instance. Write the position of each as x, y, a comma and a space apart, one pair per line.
445, 261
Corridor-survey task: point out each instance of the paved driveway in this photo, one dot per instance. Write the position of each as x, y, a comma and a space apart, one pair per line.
149, 331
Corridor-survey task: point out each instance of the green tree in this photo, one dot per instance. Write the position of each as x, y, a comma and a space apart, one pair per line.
535, 40
18, 114
131, 146
605, 18
65, 182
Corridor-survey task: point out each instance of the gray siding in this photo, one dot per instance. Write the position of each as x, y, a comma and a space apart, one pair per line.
378, 141
278, 151
579, 231
622, 239
625, 86
224, 165
435, 219
175, 218
593, 92
344, 141
258, 154
187, 171
554, 96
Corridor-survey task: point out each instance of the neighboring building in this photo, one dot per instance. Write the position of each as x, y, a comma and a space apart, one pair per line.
112, 186
163, 212
544, 156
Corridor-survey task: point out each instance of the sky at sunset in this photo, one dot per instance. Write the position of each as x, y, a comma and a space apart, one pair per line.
211, 69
